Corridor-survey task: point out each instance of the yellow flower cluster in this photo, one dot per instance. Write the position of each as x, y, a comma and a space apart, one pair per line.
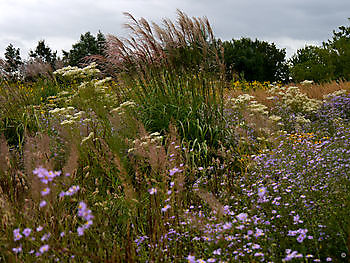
253, 85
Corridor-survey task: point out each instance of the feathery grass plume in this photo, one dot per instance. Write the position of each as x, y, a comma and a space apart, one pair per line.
183, 44
4, 155
71, 165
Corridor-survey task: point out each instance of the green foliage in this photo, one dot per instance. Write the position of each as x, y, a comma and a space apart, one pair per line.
13, 60
312, 63
329, 62
339, 47
88, 45
44, 53
255, 60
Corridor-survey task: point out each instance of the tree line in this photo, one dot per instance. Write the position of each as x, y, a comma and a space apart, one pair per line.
243, 58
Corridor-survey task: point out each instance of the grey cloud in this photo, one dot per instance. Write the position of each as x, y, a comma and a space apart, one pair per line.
25, 22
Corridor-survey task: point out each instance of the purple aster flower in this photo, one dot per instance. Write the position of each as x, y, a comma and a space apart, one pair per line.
165, 208
45, 191
256, 246
16, 234
227, 225
242, 216
217, 252
42, 203
87, 224
44, 248
39, 228
152, 191
26, 232
45, 237
86, 214
82, 206
191, 259
72, 190
261, 192
17, 249
62, 194
174, 171
80, 231
301, 238
258, 232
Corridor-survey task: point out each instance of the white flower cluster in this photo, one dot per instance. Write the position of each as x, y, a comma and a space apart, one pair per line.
335, 94
247, 102
153, 138
121, 110
75, 72
307, 82
69, 116
275, 118
293, 98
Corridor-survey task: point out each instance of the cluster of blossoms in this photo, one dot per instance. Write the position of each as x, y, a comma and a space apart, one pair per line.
123, 108
71, 191
27, 234
247, 102
46, 177
80, 73
70, 116
152, 139
293, 99
85, 214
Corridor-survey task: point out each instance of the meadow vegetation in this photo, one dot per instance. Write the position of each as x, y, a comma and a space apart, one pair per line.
149, 154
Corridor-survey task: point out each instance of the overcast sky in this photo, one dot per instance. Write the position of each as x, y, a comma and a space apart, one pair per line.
289, 23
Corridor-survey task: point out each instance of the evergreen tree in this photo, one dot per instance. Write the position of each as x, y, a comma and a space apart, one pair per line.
87, 46
13, 60
44, 53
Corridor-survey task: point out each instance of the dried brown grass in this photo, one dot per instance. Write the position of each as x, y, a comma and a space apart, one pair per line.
313, 91
317, 91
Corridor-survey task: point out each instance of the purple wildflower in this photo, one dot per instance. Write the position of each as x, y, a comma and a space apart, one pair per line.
261, 192
72, 190
242, 216
44, 248
17, 249
152, 191
191, 259
165, 208
80, 231
174, 171
45, 191
16, 234
26, 232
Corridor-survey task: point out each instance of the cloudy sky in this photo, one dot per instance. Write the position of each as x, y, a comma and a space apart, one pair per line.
289, 23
